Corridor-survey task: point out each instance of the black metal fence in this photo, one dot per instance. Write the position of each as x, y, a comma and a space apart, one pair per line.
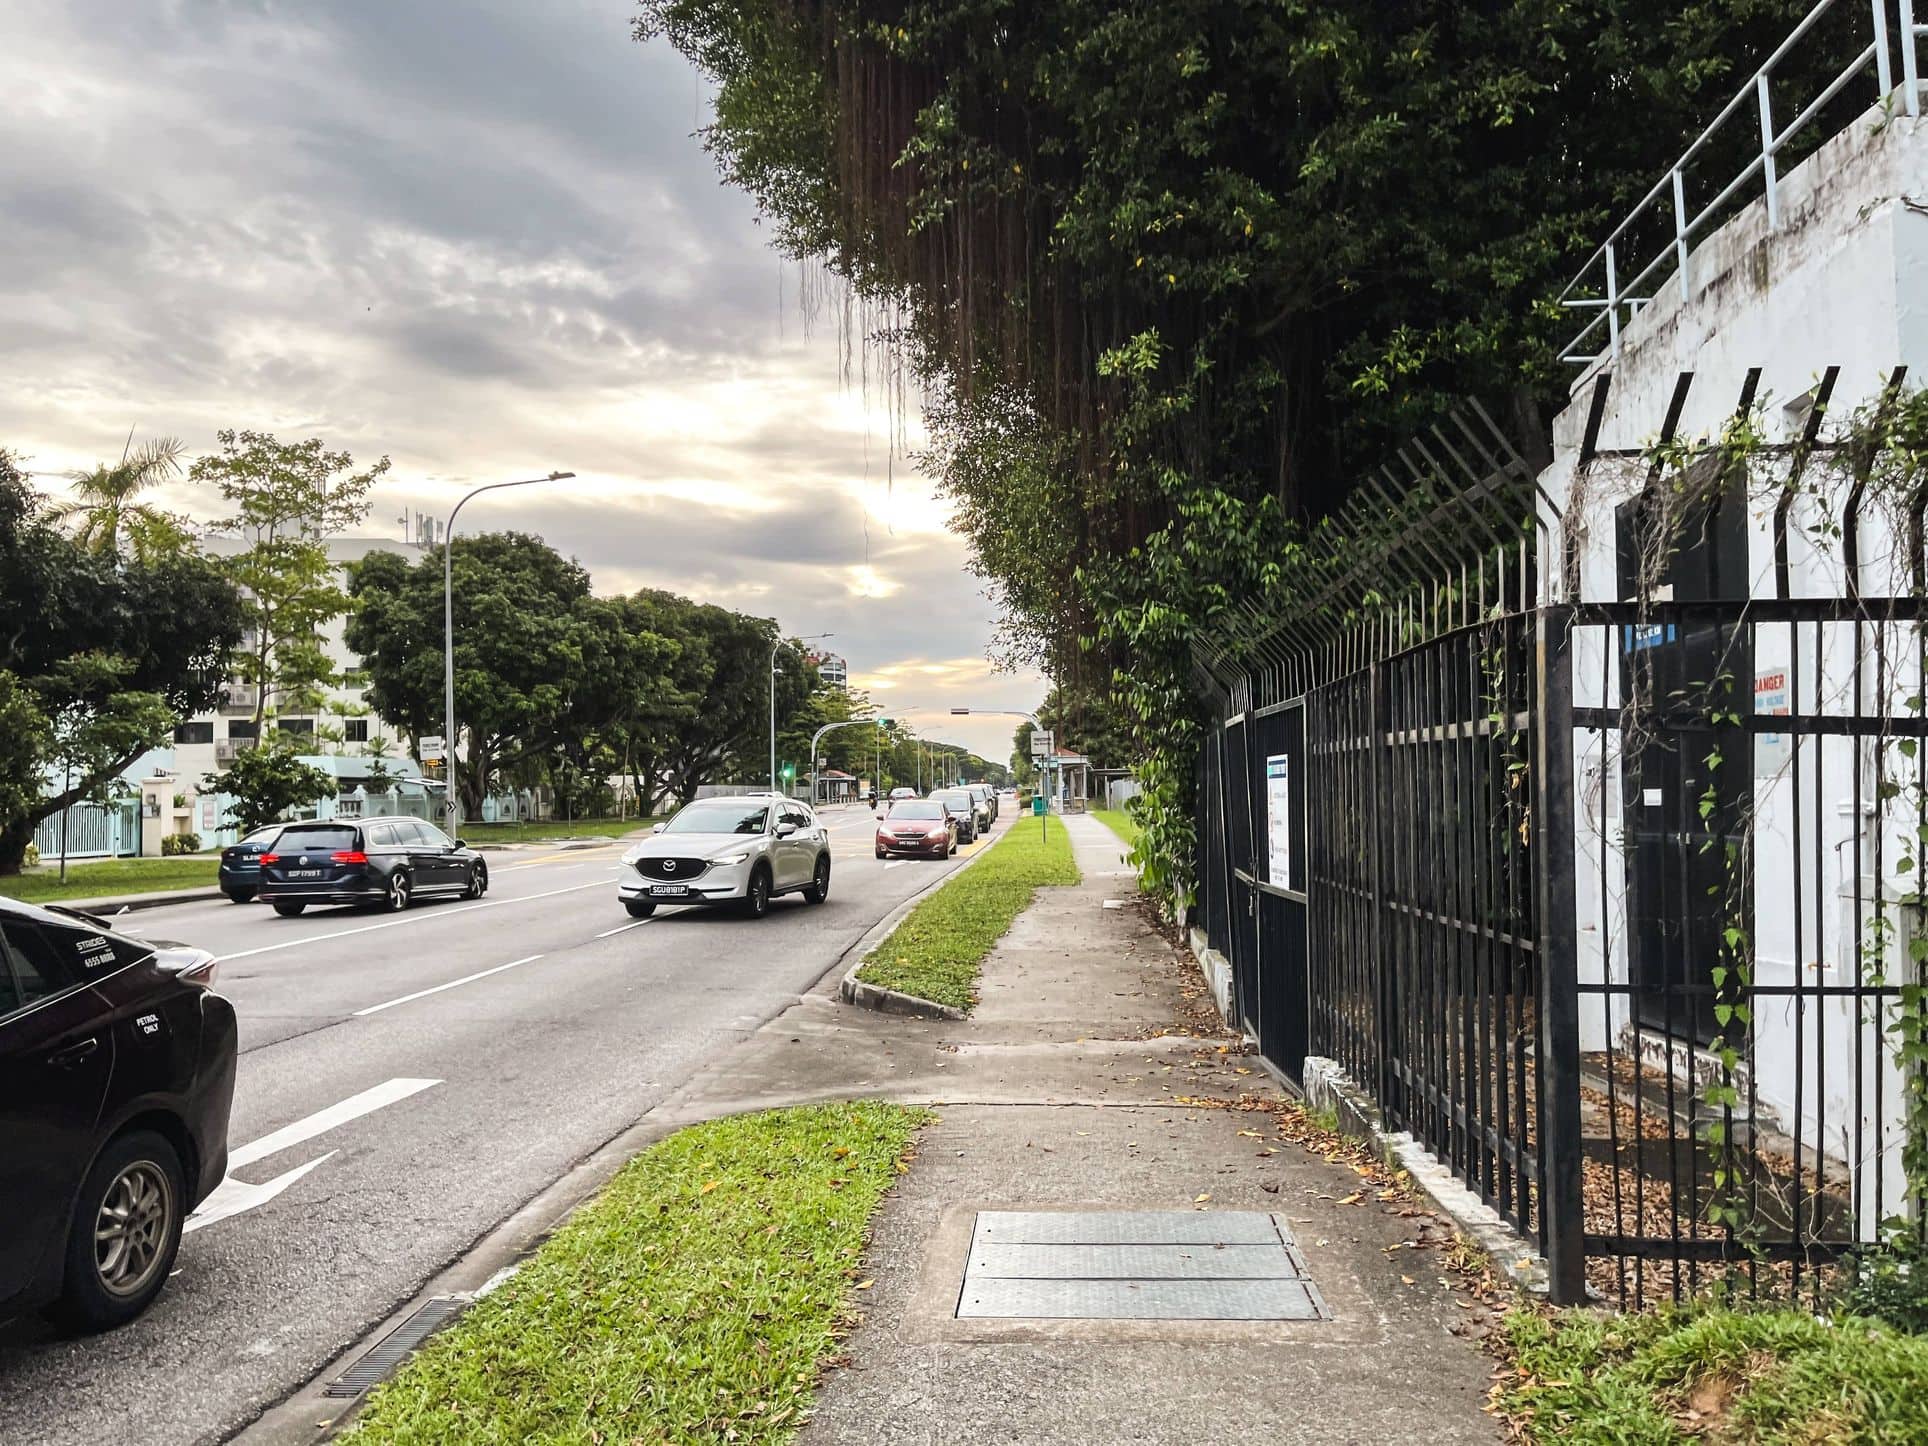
1611, 903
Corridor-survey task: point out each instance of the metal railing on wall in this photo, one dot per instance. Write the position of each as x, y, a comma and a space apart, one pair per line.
1616, 282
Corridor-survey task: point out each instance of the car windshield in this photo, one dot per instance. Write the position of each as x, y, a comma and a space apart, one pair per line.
720, 815
917, 808
294, 840
958, 799
263, 835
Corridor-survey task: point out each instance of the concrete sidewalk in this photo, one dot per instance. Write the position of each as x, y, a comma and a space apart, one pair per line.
1094, 1074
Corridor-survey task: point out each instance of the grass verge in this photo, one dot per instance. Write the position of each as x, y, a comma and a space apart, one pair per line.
1720, 1375
551, 828
1119, 822
110, 876
693, 1300
937, 952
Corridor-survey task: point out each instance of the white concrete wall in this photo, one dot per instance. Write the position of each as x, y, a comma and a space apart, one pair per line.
1843, 281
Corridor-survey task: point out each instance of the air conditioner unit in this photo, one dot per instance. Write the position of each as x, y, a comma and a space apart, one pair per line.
239, 698
226, 749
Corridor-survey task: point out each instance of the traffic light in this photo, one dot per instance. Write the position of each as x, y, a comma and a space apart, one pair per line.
789, 771
885, 722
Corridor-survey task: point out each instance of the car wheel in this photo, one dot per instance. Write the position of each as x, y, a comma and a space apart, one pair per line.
288, 908
639, 908
882, 855
756, 903
818, 889
478, 881
238, 896
398, 891
125, 1230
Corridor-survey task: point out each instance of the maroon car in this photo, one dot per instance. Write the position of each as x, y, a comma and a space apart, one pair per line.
918, 826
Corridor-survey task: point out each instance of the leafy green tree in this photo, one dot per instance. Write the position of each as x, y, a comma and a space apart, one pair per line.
268, 782
288, 498
539, 662
1175, 276
26, 745
108, 513
109, 651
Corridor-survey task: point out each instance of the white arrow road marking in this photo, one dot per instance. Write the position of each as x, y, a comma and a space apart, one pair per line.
441, 913
233, 1197
453, 983
322, 1121
896, 863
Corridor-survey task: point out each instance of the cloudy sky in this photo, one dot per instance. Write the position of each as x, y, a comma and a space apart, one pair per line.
483, 240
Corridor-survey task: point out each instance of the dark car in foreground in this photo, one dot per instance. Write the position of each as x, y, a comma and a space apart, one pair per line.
116, 1074
918, 827
240, 872
382, 863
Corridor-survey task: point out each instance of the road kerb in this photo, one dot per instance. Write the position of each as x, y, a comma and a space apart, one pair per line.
891, 1001
120, 903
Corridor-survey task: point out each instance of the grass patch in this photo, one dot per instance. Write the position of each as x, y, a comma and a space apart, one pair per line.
937, 952
1768, 1376
693, 1300
548, 828
1119, 822
110, 876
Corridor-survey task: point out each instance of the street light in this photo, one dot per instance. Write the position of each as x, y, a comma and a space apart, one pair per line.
776, 648
453, 804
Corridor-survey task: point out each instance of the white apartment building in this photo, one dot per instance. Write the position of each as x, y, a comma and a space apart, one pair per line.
208, 741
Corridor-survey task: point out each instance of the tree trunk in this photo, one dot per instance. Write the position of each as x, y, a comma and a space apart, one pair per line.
14, 838
472, 779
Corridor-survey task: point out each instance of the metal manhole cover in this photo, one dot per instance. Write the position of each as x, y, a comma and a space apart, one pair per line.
1136, 1265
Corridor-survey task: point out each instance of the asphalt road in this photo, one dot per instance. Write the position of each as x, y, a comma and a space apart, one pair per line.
406, 1083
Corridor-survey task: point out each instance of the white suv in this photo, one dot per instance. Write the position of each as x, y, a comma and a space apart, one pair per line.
740, 851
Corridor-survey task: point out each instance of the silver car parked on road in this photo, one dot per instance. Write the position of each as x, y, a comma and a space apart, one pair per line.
741, 851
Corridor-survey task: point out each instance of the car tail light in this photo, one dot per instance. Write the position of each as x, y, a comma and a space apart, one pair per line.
271, 858
203, 973
349, 856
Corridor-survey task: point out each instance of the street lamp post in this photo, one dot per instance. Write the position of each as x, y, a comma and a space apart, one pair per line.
776, 648
453, 804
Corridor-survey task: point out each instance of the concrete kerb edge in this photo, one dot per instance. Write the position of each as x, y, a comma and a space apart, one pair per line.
1327, 1086
132, 902
890, 1001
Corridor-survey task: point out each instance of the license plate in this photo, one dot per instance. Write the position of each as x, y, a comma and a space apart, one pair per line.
669, 891
306, 873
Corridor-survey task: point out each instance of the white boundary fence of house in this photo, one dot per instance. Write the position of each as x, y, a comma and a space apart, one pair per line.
1600, 286
94, 831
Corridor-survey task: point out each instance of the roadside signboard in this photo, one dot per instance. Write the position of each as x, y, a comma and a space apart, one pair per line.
1278, 819
1042, 743
433, 750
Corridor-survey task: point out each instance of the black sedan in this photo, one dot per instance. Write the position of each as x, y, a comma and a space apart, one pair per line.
382, 863
116, 1073
240, 872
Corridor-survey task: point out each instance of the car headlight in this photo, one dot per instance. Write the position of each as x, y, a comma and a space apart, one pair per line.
729, 858
630, 856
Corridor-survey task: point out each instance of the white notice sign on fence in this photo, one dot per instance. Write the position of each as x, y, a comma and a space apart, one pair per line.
1278, 820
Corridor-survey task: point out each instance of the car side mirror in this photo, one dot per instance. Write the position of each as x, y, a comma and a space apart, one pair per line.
786, 828
461, 843
882, 815
656, 828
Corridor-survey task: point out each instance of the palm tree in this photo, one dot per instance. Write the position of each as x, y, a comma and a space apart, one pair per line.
108, 509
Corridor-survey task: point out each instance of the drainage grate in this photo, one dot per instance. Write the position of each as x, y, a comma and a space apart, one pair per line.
394, 1346
1136, 1265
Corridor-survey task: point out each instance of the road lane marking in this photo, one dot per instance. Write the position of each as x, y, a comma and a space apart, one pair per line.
235, 1197
442, 913
322, 1121
895, 863
453, 983
624, 928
